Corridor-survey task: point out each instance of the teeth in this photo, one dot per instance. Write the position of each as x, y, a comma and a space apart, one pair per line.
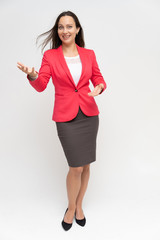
66, 37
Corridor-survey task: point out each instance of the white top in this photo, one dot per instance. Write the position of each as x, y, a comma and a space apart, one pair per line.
75, 67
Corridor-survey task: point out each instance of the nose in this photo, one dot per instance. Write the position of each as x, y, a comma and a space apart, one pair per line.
65, 30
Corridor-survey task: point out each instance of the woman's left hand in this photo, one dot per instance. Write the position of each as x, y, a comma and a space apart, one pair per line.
96, 91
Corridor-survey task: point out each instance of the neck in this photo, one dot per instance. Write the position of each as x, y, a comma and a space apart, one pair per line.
71, 48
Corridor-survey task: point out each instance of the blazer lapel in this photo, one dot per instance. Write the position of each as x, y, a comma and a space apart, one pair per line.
65, 66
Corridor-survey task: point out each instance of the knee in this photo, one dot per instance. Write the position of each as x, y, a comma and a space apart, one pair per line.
86, 168
76, 170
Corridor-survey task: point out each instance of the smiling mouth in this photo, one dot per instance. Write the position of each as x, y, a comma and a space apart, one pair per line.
66, 37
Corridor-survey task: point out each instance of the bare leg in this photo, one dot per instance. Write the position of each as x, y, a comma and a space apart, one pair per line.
84, 183
73, 186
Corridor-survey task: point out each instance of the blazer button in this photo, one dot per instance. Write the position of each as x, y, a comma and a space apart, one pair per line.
76, 90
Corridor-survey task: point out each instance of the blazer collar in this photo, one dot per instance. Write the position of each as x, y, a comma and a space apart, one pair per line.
65, 66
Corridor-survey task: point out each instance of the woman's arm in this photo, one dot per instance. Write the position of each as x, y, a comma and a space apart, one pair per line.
43, 76
97, 78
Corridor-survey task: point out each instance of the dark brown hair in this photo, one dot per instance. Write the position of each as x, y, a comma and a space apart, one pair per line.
53, 37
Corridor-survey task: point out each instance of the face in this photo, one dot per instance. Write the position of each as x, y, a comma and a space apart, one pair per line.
67, 29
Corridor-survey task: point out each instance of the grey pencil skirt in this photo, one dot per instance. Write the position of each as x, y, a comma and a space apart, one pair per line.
78, 139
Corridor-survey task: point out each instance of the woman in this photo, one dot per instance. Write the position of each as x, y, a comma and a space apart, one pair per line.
71, 66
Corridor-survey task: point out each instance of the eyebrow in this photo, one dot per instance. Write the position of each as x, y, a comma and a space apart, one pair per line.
66, 24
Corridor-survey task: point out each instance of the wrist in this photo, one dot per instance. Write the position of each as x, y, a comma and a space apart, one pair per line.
101, 85
33, 76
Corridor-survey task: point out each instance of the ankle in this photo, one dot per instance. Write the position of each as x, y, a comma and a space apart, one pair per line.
71, 208
79, 207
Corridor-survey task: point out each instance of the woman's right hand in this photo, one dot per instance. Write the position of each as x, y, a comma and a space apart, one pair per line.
29, 71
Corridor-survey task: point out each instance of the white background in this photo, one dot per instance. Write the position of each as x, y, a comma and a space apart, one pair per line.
123, 195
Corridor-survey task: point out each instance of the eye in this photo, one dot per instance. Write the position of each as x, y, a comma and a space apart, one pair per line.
60, 27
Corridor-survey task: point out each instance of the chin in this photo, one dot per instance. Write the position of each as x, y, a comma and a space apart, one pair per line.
67, 42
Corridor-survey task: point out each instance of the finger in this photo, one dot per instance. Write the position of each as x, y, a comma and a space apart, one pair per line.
19, 63
97, 89
27, 70
19, 67
23, 68
91, 94
94, 92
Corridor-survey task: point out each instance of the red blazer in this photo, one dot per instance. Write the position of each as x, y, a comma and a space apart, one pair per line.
68, 96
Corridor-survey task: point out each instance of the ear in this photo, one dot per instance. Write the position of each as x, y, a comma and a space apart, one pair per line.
78, 30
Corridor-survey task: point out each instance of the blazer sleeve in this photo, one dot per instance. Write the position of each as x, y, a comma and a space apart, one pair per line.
97, 77
44, 74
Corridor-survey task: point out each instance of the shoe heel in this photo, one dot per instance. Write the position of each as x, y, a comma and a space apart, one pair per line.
66, 226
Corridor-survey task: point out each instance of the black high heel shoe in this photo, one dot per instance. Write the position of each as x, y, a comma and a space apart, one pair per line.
81, 222
66, 226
